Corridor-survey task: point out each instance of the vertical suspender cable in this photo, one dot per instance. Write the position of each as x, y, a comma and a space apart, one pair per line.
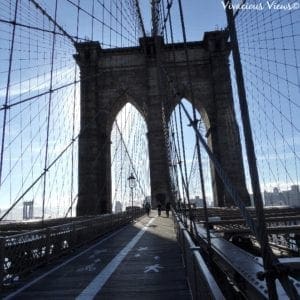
7, 90
184, 164
93, 11
49, 114
141, 23
73, 121
267, 254
178, 153
195, 121
155, 16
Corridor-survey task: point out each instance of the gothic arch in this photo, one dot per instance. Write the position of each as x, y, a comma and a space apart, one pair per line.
133, 75
119, 103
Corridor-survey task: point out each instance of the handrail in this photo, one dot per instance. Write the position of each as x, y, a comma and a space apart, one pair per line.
201, 281
21, 253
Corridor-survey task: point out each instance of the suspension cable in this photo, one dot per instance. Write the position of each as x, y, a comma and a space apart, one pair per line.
54, 21
7, 90
141, 22
248, 219
194, 118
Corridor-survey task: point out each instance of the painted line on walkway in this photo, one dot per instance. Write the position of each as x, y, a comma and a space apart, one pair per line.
96, 285
29, 284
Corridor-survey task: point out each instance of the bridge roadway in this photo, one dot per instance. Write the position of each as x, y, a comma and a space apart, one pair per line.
140, 261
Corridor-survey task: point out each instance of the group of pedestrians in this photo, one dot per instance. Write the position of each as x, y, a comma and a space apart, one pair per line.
159, 208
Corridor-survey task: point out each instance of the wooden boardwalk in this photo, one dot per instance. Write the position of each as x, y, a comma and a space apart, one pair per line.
139, 262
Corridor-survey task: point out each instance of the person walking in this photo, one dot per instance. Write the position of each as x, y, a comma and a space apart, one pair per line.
168, 206
159, 208
147, 207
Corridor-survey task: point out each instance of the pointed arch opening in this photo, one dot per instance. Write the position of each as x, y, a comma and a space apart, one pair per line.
129, 156
185, 166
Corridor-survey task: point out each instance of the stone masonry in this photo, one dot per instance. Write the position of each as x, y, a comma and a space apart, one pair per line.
112, 77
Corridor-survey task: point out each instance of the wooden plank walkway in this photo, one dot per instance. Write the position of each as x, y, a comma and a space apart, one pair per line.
140, 262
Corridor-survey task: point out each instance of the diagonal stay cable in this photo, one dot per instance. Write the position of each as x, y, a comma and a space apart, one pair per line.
94, 165
140, 17
285, 281
7, 91
58, 157
277, 266
33, 27
195, 121
50, 91
270, 261
167, 16
44, 12
130, 158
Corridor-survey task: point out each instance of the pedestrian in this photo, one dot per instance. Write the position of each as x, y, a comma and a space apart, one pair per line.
159, 208
168, 206
147, 207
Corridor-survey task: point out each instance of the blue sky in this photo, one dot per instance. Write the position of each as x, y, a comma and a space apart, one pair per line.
270, 49
269, 42
200, 16
25, 136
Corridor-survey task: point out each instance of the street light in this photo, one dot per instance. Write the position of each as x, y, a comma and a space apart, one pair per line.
132, 185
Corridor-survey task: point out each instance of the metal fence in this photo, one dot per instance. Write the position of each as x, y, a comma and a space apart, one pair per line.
282, 224
201, 281
21, 253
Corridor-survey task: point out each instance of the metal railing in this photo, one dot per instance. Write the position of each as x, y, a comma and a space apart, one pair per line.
282, 225
201, 281
21, 253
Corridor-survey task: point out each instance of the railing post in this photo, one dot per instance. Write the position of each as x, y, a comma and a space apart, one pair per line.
48, 243
74, 233
194, 278
2, 258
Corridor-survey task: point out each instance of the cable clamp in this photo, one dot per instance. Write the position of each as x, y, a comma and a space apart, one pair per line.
194, 123
6, 106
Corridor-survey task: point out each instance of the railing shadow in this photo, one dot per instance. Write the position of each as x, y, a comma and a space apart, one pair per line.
22, 253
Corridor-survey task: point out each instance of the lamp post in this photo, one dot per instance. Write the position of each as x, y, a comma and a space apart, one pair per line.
132, 185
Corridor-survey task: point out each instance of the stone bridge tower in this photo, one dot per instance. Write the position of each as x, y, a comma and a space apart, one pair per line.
112, 77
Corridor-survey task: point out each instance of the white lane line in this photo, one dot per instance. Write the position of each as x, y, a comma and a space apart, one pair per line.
96, 285
29, 284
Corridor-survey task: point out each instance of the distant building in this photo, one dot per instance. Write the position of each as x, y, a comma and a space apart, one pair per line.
293, 195
289, 197
118, 207
197, 202
27, 210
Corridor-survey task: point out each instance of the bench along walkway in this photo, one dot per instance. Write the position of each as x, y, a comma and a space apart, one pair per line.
140, 261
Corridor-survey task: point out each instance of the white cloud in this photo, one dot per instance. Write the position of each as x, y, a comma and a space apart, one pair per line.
18, 89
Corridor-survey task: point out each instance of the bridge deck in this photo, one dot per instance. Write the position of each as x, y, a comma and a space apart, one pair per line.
140, 261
